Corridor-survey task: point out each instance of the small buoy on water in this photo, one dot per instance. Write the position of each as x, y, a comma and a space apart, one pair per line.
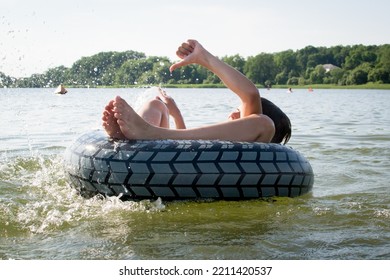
61, 90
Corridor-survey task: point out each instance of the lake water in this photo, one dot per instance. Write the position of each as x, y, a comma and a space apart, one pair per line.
345, 134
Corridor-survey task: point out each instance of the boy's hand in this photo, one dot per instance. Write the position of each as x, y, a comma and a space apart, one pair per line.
173, 109
189, 52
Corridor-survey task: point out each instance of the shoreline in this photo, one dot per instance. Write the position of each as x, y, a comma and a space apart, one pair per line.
294, 87
313, 86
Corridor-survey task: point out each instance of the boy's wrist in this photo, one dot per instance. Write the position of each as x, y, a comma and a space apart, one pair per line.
208, 60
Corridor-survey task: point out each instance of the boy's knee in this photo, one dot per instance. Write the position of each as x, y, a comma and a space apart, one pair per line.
158, 105
265, 127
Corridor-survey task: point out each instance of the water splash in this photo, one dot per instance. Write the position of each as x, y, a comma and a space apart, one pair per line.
145, 96
35, 197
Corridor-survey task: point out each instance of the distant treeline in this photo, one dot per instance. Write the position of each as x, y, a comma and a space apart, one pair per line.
339, 65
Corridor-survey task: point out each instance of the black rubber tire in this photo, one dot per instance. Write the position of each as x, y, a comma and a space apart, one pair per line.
185, 169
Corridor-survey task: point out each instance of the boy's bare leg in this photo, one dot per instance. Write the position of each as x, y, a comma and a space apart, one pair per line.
155, 112
252, 128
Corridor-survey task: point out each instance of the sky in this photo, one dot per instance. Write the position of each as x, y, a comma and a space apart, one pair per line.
36, 35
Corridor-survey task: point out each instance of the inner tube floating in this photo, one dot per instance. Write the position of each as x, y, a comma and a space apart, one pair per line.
185, 169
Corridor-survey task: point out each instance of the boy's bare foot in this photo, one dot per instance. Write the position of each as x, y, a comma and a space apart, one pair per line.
130, 123
110, 123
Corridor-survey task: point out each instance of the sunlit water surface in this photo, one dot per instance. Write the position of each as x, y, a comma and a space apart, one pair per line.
345, 134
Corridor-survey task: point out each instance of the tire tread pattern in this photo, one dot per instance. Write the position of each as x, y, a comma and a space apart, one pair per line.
185, 169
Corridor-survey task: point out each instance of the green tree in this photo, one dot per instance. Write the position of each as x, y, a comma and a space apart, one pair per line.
286, 61
236, 61
261, 68
55, 76
281, 78
335, 75
339, 54
5, 81
359, 75
303, 56
161, 71
378, 75
360, 54
358, 64
384, 57
190, 74
287, 67
317, 75
293, 81
34, 81
95, 69
131, 71
381, 73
